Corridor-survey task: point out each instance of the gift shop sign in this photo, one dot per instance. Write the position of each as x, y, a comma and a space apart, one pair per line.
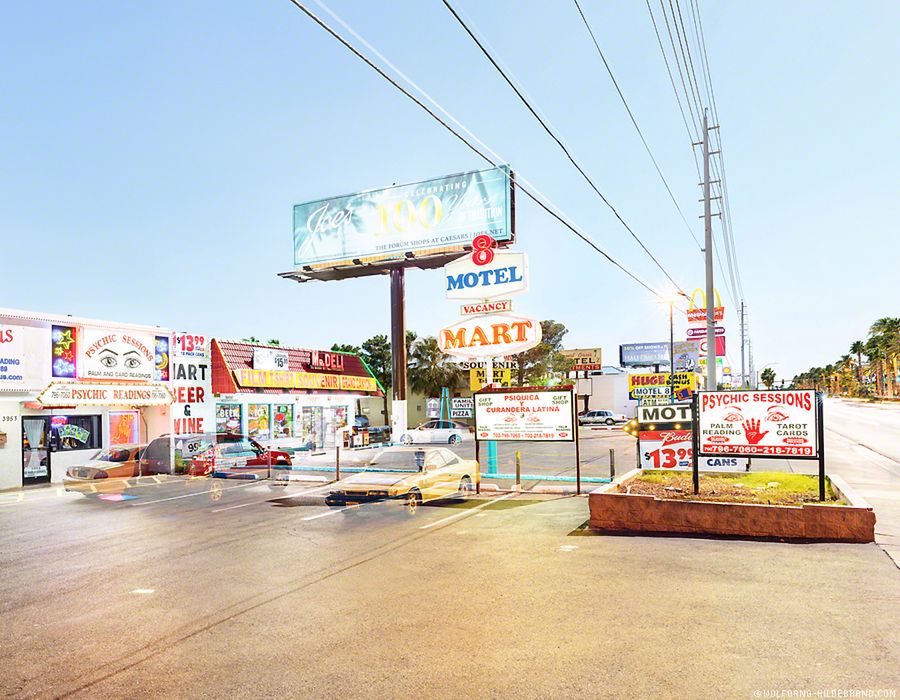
111, 354
525, 414
766, 423
490, 336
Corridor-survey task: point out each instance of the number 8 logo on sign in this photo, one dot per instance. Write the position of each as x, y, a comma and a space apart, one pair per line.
483, 250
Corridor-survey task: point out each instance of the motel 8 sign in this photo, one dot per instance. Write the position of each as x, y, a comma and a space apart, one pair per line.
486, 273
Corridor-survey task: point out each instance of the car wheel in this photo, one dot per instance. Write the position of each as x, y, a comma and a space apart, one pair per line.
465, 487
412, 501
455, 439
609, 421
406, 440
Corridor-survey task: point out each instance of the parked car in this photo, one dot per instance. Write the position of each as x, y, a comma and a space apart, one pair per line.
602, 417
106, 470
440, 431
216, 454
439, 474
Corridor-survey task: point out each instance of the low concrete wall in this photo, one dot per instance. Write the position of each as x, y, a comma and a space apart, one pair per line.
622, 512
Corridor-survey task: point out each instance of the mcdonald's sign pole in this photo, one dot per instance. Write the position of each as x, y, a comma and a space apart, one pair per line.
708, 249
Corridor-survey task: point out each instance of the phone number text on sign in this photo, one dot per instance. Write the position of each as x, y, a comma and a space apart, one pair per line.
766, 423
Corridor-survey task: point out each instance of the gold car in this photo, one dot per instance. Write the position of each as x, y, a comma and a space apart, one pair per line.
106, 472
439, 474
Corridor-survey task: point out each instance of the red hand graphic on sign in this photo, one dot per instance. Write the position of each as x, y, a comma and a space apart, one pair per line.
751, 430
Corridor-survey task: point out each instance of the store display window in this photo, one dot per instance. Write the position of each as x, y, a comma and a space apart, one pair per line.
259, 420
75, 433
124, 428
283, 421
229, 418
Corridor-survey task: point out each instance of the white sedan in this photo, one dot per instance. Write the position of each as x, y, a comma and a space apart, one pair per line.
447, 432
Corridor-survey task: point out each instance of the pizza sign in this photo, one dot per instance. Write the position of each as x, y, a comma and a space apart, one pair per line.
765, 423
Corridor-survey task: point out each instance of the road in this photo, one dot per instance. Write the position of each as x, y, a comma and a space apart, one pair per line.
184, 590
862, 443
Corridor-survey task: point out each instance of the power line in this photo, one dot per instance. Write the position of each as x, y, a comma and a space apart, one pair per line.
692, 137
687, 93
634, 122
559, 217
559, 142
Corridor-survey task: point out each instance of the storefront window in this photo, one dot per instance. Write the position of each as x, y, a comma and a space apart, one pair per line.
313, 429
228, 418
283, 421
124, 428
258, 420
75, 432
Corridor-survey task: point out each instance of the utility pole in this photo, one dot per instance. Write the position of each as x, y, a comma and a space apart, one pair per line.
708, 249
743, 379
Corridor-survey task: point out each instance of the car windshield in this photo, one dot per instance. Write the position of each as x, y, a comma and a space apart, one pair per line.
399, 458
114, 454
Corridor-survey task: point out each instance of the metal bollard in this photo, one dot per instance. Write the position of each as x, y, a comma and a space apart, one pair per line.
518, 470
612, 464
337, 462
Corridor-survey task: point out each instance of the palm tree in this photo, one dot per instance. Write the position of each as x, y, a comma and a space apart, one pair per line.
768, 377
887, 331
251, 339
876, 358
829, 378
430, 370
857, 348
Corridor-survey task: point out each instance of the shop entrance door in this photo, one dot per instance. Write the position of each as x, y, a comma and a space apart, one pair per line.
35, 449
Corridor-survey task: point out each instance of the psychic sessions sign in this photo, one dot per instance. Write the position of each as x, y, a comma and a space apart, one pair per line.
765, 423
439, 215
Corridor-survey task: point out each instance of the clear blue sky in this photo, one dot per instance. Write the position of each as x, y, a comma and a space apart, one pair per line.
152, 152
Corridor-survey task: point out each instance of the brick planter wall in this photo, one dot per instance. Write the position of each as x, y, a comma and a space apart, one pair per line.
620, 512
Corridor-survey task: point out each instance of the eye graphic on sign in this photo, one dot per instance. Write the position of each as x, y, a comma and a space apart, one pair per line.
775, 414
132, 360
108, 358
734, 415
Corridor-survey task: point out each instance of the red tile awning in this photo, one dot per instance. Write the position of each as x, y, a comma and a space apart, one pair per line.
233, 372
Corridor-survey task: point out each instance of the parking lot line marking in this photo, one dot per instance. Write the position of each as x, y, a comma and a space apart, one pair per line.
254, 503
188, 495
330, 512
466, 512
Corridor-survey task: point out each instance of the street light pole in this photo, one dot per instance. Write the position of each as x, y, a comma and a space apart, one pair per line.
671, 354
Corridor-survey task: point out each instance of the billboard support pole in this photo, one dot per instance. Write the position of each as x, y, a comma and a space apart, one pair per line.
820, 442
398, 351
695, 442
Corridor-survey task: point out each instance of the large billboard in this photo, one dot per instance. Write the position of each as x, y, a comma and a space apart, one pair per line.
525, 414
643, 354
433, 216
766, 423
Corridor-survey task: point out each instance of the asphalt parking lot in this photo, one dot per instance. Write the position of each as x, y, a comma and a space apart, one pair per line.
199, 588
